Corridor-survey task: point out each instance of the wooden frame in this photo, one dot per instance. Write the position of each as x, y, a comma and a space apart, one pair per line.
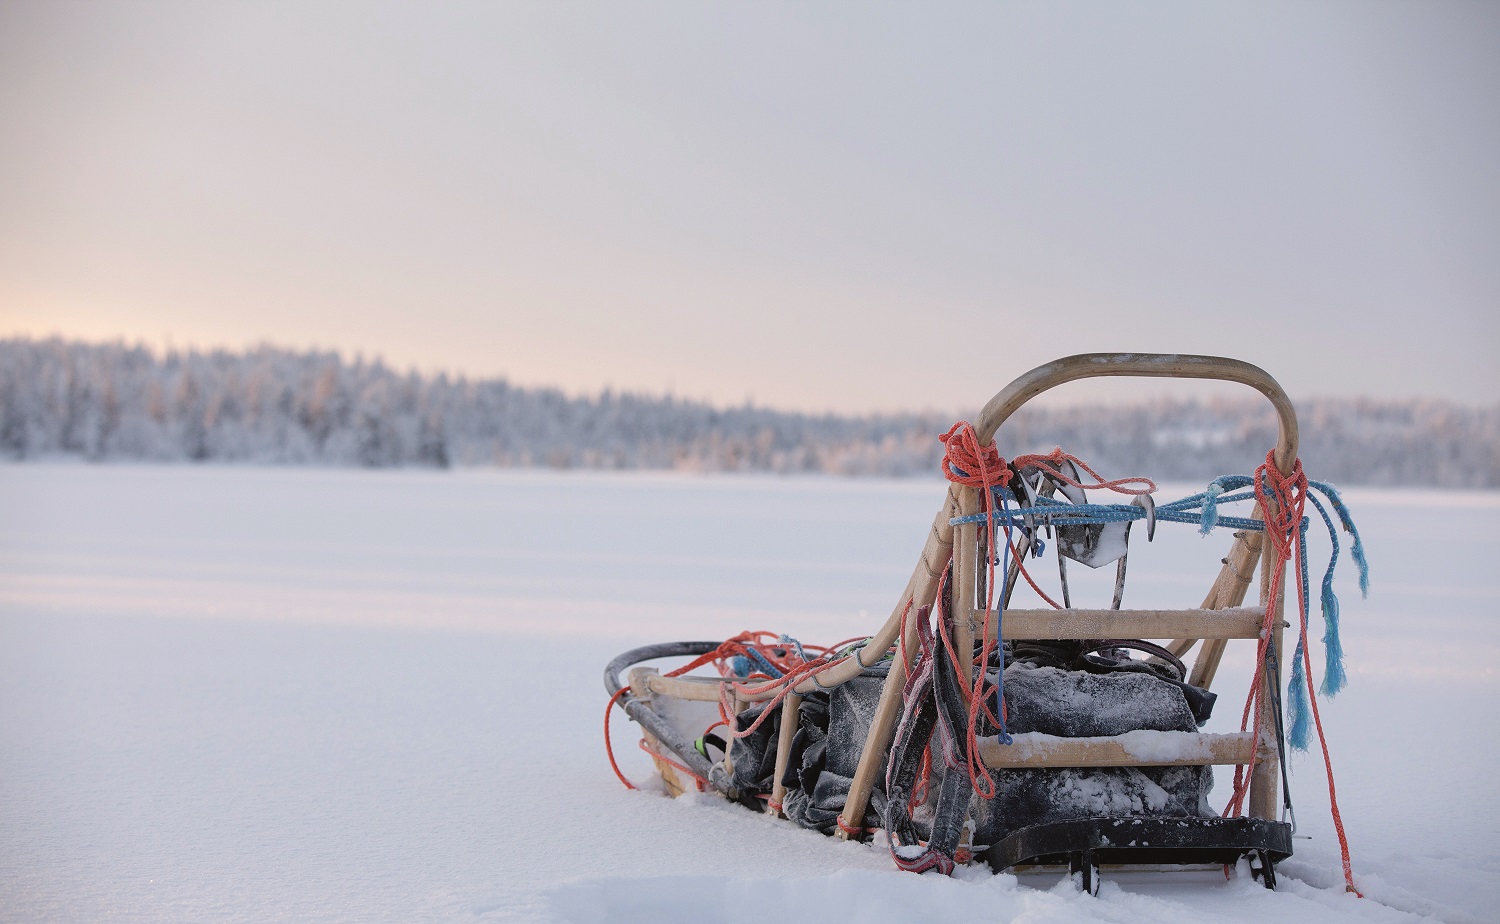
1220, 618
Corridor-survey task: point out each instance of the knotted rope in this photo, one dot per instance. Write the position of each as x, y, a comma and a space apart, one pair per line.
1052, 463
967, 463
1283, 499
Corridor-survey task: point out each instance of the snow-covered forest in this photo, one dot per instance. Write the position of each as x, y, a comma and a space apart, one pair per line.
114, 401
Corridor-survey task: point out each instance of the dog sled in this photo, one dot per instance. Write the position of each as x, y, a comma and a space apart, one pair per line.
965, 729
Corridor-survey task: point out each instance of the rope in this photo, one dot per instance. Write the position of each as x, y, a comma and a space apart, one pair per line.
788, 658
781, 655
968, 463
1333, 799
962, 455
700, 781
1062, 513
1015, 555
1283, 499
1051, 463
609, 747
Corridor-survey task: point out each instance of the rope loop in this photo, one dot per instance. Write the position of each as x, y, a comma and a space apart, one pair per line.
1283, 501
967, 463
1051, 463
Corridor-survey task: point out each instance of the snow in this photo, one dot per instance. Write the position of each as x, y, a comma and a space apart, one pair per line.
249, 694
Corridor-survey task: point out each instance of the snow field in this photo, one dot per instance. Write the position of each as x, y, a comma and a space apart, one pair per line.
248, 694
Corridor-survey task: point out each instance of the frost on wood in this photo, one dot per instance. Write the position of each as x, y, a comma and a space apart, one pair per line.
1161, 746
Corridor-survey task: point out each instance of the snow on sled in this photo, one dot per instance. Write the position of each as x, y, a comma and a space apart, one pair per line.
967, 729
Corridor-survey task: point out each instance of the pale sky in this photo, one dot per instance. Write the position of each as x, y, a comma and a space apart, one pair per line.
818, 206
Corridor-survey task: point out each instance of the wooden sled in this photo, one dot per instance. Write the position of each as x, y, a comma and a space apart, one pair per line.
1262, 835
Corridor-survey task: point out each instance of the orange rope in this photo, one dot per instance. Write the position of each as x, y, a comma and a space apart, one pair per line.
1051, 463
1020, 561
765, 644
702, 783
854, 831
967, 463
1333, 799
975, 463
1283, 531
609, 748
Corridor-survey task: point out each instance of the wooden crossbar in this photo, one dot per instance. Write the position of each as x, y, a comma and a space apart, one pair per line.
698, 689
1132, 749
1238, 622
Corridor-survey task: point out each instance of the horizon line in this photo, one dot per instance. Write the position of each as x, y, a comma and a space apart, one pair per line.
354, 356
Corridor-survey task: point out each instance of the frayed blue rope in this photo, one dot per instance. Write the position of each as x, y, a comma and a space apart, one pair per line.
1207, 516
1297, 706
1357, 550
1053, 512
1334, 676
1211, 499
788, 640
741, 664
1210, 517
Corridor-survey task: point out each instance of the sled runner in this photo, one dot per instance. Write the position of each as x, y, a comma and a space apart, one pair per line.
967, 729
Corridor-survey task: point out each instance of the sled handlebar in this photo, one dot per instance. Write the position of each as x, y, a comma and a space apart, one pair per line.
1146, 365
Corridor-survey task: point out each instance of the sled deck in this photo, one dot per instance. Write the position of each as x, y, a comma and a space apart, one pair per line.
965, 729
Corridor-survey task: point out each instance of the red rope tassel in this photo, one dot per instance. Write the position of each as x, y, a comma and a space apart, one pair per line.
1283, 531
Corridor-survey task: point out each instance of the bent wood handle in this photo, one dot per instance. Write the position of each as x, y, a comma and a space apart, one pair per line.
1147, 365
920, 592
923, 585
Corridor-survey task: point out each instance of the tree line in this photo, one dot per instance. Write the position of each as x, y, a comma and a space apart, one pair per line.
115, 401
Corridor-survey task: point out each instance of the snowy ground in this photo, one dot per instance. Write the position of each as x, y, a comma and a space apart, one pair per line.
257, 694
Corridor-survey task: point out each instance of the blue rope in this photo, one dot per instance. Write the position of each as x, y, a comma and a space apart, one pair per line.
1297, 706
1061, 513
1357, 550
740, 664
1203, 509
1212, 498
1334, 677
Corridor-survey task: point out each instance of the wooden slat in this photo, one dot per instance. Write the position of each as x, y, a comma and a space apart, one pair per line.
699, 689
1133, 749
1263, 776
965, 577
1239, 622
1228, 591
789, 709
920, 592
